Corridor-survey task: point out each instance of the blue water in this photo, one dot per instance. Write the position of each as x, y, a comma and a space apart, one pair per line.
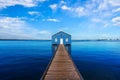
27, 60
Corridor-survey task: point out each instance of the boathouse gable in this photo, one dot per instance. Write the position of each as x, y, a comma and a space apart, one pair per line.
61, 38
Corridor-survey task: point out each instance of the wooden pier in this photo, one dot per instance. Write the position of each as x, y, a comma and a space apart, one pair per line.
61, 67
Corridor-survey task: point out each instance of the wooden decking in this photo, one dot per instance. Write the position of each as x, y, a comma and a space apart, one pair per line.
62, 67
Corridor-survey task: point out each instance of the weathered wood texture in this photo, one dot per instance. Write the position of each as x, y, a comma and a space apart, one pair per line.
62, 67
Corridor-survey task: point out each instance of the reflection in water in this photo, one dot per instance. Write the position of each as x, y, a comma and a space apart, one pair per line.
54, 48
68, 48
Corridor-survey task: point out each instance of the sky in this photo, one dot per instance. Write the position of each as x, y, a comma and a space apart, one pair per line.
40, 19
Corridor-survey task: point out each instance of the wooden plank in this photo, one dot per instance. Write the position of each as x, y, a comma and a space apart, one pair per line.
62, 67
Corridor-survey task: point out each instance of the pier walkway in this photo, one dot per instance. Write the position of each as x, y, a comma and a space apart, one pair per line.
62, 67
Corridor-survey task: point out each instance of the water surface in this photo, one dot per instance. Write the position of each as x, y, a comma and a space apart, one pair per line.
97, 60
27, 60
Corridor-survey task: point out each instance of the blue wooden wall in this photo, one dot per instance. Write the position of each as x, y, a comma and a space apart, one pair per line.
62, 35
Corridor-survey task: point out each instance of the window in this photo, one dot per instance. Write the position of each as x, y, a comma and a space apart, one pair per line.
55, 39
66, 39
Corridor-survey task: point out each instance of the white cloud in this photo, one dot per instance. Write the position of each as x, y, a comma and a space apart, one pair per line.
116, 10
53, 6
26, 3
105, 36
6, 22
106, 24
34, 13
51, 20
44, 32
103, 4
96, 20
108, 4
62, 2
100, 5
114, 2
100, 22
116, 21
17, 28
64, 7
75, 11
79, 11
63, 29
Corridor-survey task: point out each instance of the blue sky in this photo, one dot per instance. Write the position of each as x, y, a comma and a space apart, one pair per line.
39, 19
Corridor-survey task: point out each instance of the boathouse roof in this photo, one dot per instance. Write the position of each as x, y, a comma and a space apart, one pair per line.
61, 32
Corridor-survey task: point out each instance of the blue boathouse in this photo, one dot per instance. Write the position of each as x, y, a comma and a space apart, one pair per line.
61, 38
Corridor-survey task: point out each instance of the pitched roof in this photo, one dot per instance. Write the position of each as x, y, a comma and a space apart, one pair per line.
61, 32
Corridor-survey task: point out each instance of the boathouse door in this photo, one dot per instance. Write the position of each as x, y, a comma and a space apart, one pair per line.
61, 40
